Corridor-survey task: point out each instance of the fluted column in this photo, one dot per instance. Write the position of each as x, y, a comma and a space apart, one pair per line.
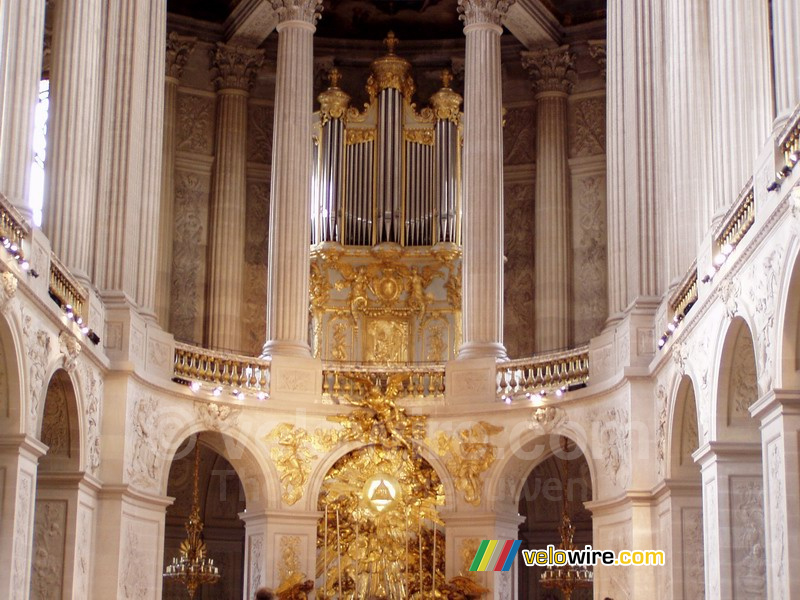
178, 50
553, 74
689, 130
153, 140
236, 70
72, 132
633, 89
290, 197
21, 44
786, 54
483, 180
741, 92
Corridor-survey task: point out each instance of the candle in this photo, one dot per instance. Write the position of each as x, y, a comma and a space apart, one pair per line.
339, 552
355, 574
419, 535
325, 556
433, 567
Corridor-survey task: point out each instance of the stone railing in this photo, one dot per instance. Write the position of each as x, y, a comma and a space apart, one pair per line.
12, 226
422, 381
683, 300
545, 372
198, 365
737, 222
67, 292
788, 141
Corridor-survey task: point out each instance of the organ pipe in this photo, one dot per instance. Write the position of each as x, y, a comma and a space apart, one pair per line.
388, 173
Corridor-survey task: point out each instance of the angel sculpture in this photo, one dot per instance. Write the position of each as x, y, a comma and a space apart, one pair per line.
358, 280
418, 299
384, 406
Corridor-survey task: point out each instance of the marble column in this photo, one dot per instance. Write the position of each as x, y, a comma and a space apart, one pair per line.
21, 47
72, 133
635, 142
178, 50
126, 121
153, 139
553, 74
779, 413
741, 93
236, 69
786, 54
689, 132
483, 216
733, 520
290, 196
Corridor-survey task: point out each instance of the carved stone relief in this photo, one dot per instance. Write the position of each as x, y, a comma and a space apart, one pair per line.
289, 557
8, 290
587, 127
749, 556
55, 420
763, 294
690, 438
134, 582
590, 262
70, 348
189, 251
662, 402
195, 127
256, 563
259, 133
712, 528
93, 393
49, 530
694, 587
778, 508
217, 417
21, 525
742, 388
4, 391
519, 136
613, 428
84, 554
37, 349
148, 431
518, 322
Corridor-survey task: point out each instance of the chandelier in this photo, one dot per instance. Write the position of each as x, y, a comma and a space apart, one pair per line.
566, 578
192, 568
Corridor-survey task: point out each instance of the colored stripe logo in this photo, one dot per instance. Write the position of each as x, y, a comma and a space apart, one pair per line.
495, 555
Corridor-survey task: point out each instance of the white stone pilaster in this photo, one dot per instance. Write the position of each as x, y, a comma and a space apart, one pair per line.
741, 93
483, 217
779, 413
786, 54
236, 70
256, 555
635, 142
689, 131
290, 196
21, 47
553, 74
73, 155
18, 463
177, 53
153, 140
463, 534
733, 509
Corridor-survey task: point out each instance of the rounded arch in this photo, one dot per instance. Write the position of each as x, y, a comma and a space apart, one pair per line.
257, 474
527, 452
12, 380
787, 361
684, 430
736, 385
60, 426
322, 468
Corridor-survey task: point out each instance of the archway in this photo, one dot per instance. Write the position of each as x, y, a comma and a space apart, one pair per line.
380, 535
221, 500
542, 502
681, 512
733, 504
58, 495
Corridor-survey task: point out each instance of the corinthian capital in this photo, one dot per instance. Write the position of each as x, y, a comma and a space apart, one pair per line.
298, 10
597, 50
490, 12
179, 47
236, 67
552, 70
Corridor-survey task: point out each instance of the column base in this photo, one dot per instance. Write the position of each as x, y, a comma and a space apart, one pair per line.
494, 350
285, 348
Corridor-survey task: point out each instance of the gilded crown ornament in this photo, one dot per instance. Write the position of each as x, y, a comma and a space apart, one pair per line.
333, 102
391, 71
447, 103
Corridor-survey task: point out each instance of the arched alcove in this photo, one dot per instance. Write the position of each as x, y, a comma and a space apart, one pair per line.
789, 319
221, 499
685, 436
737, 386
57, 490
542, 502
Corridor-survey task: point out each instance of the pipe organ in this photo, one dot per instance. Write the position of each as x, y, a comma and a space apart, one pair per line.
388, 173
386, 202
